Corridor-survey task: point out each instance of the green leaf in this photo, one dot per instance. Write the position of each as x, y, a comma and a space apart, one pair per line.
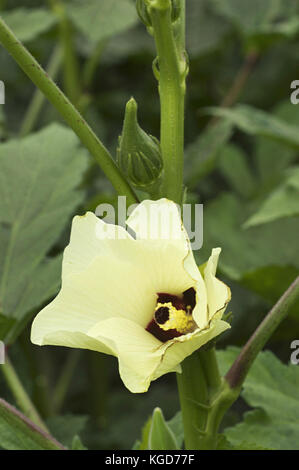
101, 20
245, 251
257, 122
77, 444
127, 44
43, 285
143, 444
272, 387
201, 155
161, 436
271, 282
67, 428
38, 179
18, 433
224, 444
249, 16
251, 258
273, 157
177, 427
282, 202
29, 23
263, 259
205, 28
256, 19
286, 28
234, 167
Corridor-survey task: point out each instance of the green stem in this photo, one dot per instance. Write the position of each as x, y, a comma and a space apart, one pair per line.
199, 381
240, 80
92, 63
99, 385
71, 74
40, 78
38, 99
210, 366
171, 73
41, 393
181, 37
65, 378
238, 84
230, 387
203, 399
193, 393
238, 371
221, 402
20, 394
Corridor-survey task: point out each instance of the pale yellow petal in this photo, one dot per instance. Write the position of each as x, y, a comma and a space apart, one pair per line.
159, 221
90, 238
138, 351
109, 293
107, 288
79, 340
200, 311
179, 348
159, 230
218, 294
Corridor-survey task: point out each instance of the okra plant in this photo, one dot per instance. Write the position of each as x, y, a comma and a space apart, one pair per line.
124, 278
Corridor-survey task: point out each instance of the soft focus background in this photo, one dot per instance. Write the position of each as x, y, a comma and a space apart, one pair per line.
242, 145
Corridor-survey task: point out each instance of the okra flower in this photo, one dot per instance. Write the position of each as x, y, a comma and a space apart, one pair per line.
140, 298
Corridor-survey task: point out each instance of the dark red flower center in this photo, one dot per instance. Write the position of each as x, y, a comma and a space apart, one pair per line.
173, 315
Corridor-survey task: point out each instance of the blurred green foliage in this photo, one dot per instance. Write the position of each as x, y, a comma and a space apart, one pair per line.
241, 163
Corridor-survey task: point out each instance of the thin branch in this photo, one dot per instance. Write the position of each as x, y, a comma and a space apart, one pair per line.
238, 371
240, 80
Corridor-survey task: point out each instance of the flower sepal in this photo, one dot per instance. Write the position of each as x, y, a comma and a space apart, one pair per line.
138, 154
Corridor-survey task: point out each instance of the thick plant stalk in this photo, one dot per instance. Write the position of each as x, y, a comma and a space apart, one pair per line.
200, 380
40, 78
170, 69
204, 398
193, 393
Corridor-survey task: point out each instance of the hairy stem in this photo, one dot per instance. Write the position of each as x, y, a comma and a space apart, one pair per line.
170, 69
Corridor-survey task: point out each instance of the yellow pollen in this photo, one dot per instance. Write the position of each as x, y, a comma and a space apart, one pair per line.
178, 320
